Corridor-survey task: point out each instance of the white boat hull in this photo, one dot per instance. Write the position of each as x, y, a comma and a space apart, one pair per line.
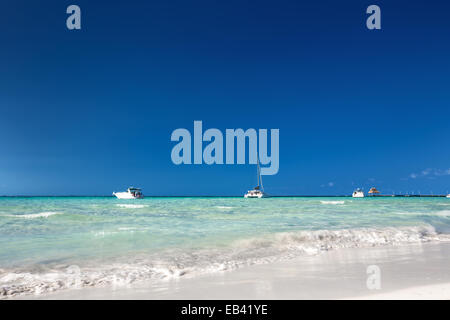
125, 195
258, 195
358, 195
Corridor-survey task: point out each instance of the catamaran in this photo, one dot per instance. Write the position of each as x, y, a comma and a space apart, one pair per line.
258, 191
358, 193
131, 193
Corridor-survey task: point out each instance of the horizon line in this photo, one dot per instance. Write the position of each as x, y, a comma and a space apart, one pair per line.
230, 196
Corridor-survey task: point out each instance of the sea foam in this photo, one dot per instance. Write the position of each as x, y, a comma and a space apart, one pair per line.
34, 215
333, 202
441, 213
178, 263
131, 206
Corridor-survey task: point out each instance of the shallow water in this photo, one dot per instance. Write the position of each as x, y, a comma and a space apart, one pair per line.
44, 241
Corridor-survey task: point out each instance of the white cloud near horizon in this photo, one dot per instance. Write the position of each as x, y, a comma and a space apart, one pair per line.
430, 173
329, 184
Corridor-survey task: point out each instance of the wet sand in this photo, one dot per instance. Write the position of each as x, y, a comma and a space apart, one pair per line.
406, 272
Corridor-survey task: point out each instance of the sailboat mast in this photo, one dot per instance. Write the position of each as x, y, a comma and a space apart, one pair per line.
260, 184
260, 179
257, 173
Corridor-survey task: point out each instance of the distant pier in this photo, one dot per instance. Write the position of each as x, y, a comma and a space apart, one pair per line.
411, 195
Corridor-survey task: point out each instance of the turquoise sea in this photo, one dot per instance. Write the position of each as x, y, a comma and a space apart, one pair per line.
51, 243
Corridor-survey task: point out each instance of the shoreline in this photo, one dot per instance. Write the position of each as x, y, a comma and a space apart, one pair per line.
415, 271
428, 292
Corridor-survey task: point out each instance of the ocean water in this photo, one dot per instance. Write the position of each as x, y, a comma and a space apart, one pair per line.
52, 243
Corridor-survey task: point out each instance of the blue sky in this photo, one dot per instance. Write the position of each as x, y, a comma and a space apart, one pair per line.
91, 111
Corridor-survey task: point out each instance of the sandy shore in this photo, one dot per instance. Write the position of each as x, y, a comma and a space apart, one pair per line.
430, 292
406, 272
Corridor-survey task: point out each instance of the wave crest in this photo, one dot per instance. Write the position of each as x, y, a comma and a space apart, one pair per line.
441, 213
180, 262
333, 202
131, 206
34, 215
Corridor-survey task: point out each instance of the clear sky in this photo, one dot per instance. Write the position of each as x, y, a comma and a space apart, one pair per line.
91, 111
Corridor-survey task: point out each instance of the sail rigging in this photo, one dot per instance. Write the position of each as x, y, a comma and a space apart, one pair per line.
259, 178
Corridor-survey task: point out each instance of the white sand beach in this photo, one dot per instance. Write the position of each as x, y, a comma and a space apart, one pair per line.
407, 272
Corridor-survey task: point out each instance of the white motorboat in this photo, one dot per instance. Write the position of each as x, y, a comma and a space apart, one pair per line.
258, 191
448, 196
358, 193
131, 193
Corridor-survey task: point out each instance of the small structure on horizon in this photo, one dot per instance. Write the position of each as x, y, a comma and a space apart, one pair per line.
373, 191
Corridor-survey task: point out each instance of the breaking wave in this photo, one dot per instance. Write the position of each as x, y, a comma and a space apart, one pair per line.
34, 215
441, 213
132, 206
177, 263
333, 202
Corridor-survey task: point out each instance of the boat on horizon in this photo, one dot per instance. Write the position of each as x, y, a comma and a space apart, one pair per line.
358, 193
131, 193
448, 196
258, 191
373, 192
